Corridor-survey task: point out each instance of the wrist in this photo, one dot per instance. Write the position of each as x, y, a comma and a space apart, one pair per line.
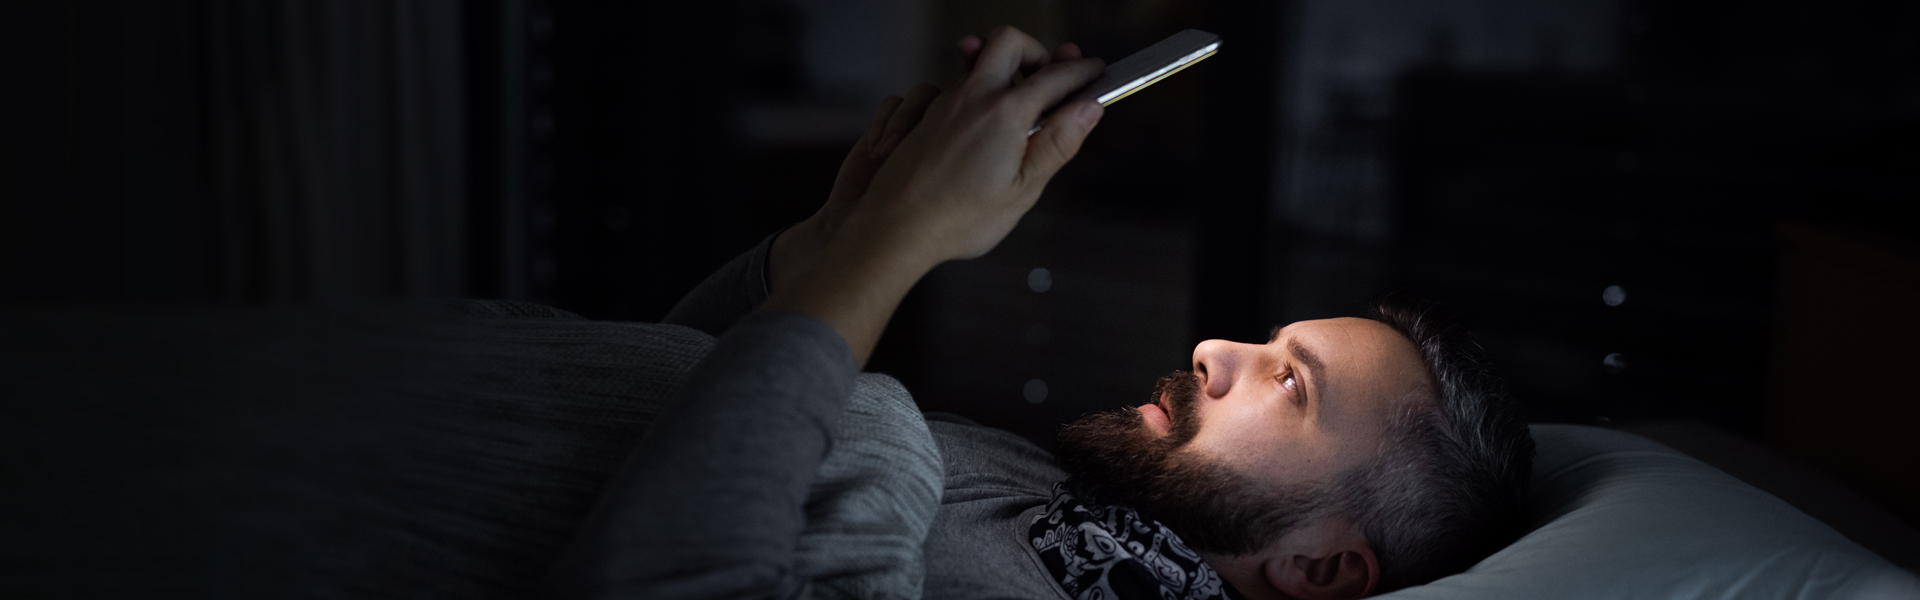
795, 249
854, 285
902, 247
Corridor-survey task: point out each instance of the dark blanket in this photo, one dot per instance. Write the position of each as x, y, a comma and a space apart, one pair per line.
399, 452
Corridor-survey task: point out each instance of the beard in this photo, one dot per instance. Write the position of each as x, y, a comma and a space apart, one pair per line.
1112, 458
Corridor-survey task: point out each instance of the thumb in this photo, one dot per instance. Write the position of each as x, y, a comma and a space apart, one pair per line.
1058, 140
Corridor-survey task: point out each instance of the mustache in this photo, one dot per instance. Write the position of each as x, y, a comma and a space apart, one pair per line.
1177, 394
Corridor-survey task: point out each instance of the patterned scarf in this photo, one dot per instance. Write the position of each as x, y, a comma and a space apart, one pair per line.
1111, 553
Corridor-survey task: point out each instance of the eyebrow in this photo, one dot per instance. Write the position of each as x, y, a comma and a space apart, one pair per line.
1313, 364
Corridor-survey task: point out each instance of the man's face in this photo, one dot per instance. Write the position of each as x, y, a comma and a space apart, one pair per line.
1286, 415
1311, 402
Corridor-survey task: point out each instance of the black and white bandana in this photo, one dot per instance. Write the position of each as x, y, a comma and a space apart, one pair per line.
1111, 553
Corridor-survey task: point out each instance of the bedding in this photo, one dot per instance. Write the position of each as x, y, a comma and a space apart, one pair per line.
1618, 516
415, 452
338, 454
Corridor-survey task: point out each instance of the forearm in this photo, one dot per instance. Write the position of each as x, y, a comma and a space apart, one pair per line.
795, 250
729, 293
855, 285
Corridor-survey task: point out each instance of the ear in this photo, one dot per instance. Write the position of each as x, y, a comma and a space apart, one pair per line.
1331, 562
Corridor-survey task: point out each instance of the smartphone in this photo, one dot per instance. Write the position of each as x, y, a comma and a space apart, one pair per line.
1144, 68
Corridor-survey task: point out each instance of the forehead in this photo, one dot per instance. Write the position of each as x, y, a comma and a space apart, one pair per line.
1346, 332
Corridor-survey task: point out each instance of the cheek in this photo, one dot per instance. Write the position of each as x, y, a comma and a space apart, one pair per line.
1246, 434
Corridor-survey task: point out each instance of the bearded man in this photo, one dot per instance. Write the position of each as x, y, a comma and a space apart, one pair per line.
1338, 459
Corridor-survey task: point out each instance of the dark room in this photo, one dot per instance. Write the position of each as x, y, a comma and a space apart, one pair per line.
1062, 299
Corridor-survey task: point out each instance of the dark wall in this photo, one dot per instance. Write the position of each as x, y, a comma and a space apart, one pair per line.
192, 153
607, 169
646, 177
101, 187
1524, 196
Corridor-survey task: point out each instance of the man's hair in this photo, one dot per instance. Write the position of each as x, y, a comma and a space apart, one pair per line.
1449, 488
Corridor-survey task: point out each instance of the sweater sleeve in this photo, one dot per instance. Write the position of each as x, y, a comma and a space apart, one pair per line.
712, 501
728, 294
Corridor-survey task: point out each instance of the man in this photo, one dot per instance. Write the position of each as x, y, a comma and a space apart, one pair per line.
1339, 459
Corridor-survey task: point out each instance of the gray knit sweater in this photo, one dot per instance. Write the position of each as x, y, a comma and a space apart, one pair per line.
710, 506
456, 450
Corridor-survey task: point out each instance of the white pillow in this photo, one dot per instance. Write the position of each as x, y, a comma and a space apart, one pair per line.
1615, 515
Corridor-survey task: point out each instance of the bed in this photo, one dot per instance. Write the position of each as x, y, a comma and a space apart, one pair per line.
425, 453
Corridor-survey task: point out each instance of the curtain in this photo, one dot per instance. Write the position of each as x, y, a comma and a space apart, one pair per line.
335, 149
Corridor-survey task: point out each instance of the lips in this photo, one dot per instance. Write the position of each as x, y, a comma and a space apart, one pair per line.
1158, 414
1155, 417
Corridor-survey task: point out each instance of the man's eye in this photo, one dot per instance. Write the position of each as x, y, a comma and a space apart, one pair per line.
1287, 381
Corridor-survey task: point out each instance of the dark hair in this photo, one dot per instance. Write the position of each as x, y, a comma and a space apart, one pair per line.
1450, 487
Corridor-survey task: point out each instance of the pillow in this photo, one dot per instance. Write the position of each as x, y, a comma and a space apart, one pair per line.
1615, 515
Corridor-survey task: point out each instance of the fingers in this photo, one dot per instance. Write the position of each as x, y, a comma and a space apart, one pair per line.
1067, 51
857, 169
971, 45
1059, 140
870, 139
1006, 52
1053, 83
905, 118
969, 50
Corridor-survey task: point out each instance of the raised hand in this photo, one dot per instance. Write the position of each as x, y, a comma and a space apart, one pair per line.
799, 246
955, 185
963, 178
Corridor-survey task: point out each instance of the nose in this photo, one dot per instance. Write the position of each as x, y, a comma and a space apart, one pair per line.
1217, 363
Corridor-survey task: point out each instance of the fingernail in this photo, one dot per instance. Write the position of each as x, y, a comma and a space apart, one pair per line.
1090, 113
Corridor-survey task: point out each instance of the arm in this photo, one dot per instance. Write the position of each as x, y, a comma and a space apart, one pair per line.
956, 185
728, 294
741, 285
712, 502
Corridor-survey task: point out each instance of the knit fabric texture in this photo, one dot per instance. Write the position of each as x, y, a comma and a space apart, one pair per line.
448, 451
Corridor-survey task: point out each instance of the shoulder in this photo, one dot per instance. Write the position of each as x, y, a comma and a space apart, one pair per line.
986, 460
